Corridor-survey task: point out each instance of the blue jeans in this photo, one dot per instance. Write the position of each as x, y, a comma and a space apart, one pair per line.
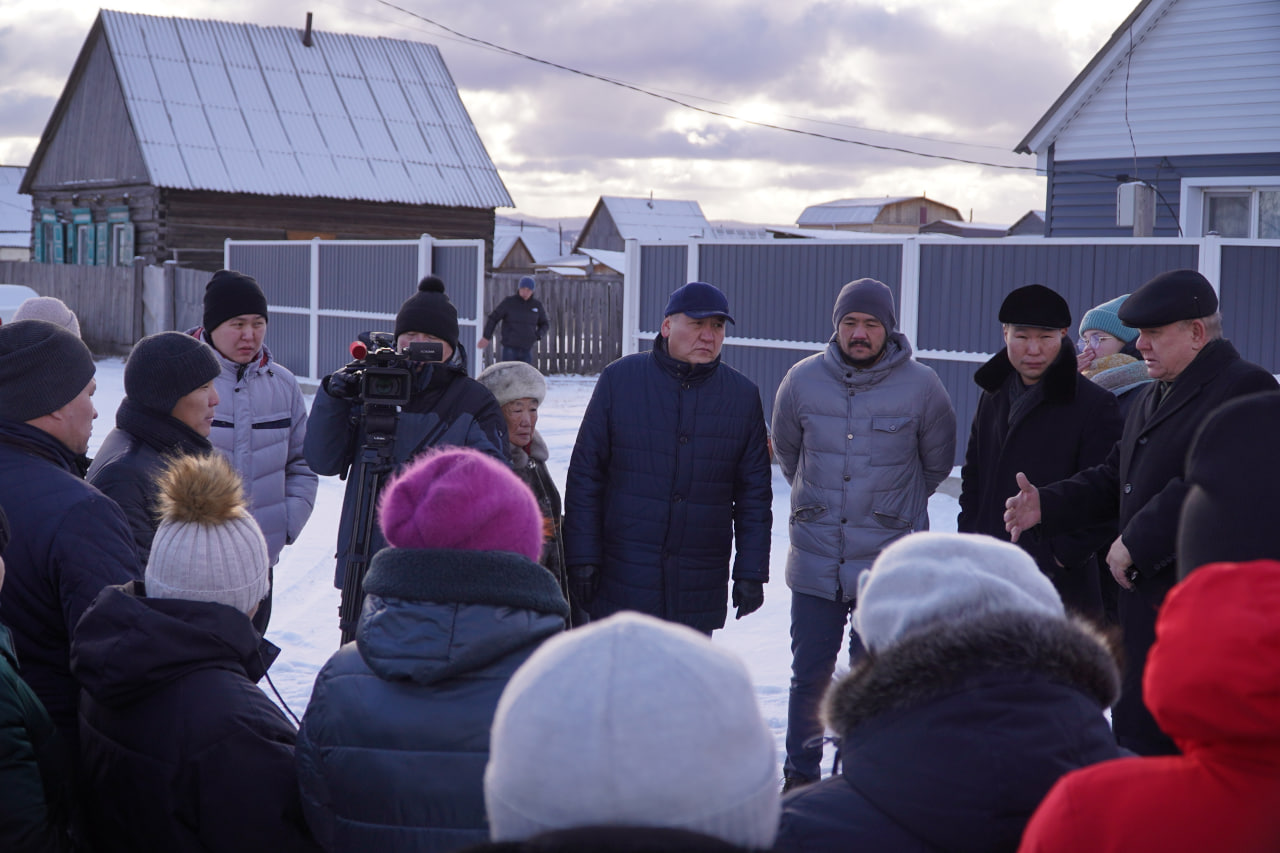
514, 354
817, 630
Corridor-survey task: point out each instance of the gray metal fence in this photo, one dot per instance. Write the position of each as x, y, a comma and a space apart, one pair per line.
107, 300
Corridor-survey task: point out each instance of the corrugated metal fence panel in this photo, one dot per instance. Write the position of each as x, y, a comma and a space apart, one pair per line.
374, 277
764, 366
957, 378
283, 271
1250, 302
962, 286
457, 265
662, 270
289, 339
786, 292
336, 335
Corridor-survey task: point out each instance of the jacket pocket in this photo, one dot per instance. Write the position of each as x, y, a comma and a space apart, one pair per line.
893, 440
811, 512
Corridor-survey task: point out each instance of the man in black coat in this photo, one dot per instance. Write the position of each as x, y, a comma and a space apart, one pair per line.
1039, 416
1141, 482
524, 322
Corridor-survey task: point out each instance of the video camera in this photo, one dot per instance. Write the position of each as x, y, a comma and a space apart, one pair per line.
384, 371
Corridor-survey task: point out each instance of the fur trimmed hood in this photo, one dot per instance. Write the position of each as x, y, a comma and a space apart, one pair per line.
1059, 380
930, 664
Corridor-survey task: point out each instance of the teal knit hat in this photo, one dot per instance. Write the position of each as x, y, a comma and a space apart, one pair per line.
1103, 318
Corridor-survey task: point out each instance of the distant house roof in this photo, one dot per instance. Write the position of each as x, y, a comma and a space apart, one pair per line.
960, 228
15, 209
542, 244
645, 219
616, 261
234, 107
846, 211
1030, 223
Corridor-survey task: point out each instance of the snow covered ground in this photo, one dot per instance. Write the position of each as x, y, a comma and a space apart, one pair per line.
304, 619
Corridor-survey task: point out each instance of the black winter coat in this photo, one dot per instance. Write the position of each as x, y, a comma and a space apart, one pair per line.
670, 470
35, 769
1141, 480
446, 408
181, 749
69, 541
524, 321
393, 746
614, 839
530, 465
132, 455
951, 737
1072, 427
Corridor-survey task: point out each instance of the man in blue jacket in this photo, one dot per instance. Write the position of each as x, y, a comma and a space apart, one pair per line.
70, 540
671, 469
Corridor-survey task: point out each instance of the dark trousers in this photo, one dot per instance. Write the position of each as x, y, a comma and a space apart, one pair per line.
817, 631
514, 354
1133, 724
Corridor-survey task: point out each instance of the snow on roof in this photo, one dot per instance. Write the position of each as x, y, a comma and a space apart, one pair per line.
647, 219
846, 211
237, 107
543, 244
15, 209
616, 261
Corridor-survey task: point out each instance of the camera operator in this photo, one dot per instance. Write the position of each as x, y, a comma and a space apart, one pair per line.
446, 407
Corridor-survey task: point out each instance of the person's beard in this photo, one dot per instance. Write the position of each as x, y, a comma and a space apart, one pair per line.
864, 363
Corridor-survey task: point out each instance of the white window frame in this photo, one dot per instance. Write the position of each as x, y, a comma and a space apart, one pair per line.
1194, 190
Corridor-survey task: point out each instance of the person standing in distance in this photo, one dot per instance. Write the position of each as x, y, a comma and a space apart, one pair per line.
669, 473
524, 322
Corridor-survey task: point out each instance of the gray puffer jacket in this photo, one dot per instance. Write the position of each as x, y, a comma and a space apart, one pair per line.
259, 425
863, 450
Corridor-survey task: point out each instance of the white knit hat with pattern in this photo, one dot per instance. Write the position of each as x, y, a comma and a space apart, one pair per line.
208, 547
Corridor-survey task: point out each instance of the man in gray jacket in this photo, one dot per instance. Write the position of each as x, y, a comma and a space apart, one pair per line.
864, 435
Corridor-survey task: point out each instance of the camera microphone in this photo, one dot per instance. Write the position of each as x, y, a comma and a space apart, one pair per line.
358, 350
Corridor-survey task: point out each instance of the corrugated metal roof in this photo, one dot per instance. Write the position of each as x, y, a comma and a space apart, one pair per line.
242, 108
647, 219
543, 244
846, 211
15, 209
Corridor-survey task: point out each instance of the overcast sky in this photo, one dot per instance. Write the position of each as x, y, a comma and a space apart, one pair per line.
962, 79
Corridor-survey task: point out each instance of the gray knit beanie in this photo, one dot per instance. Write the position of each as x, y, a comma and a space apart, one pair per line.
42, 368
926, 579
164, 368
49, 308
207, 547
867, 296
663, 727
513, 380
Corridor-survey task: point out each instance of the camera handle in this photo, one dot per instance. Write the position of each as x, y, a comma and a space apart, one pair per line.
375, 462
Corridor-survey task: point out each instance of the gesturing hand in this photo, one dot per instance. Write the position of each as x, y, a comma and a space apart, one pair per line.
1022, 511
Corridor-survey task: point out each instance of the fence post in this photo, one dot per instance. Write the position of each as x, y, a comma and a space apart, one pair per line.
909, 307
631, 299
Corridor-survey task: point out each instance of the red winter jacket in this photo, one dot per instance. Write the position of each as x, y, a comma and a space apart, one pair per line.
1213, 685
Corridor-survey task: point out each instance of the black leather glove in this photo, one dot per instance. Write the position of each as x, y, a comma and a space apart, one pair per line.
583, 583
343, 384
747, 597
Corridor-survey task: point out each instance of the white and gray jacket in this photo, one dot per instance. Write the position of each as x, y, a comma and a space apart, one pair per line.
863, 450
259, 425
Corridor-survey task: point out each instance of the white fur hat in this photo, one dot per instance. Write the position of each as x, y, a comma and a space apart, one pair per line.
631, 721
928, 578
513, 380
208, 547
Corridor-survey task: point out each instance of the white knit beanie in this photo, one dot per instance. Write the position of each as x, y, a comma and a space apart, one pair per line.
208, 547
631, 721
50, 309
926, 579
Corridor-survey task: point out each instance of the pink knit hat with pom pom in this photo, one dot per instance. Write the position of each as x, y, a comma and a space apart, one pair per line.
460, 499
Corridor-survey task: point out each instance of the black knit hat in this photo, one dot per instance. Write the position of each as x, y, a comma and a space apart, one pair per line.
1167, 298
430, 312
1035, 305
42, 368
230, 294
164, 368
1233, 475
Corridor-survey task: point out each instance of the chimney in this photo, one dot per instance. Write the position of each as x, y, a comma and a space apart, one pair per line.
306, 34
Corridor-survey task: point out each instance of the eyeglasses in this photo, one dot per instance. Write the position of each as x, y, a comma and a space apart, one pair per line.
1092, 341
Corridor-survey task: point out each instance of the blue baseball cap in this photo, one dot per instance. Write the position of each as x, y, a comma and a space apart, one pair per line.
527, 281
697, 299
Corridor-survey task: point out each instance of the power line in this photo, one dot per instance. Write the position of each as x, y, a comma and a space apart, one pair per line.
683, 103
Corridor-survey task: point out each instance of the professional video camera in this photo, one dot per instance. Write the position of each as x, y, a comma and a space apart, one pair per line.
384, 373
382, 380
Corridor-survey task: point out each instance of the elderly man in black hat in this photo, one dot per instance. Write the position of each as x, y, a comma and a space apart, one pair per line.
1142, 481
1038, 415
670, 476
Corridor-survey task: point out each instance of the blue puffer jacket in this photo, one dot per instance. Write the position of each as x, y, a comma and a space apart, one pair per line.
447, 408
393, 745
670, 470
69, 541
952, 736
